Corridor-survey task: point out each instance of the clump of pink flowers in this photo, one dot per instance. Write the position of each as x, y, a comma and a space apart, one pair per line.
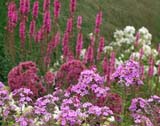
128, 73
25, 75
146, 111
70, 72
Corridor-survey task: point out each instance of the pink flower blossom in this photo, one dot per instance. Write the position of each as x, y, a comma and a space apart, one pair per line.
68, 73
72, 6
79, 22
25, 75
98, 22
89, 55
22, 32
49, 78
32, 28
69, 25
12, 16
24, 7
46, 5
47, 21
57, 7
79, 44
100, 48
35, 9
40, 34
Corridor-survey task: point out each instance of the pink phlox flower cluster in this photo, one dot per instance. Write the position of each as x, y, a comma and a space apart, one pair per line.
24, 121
4, 97
22, 96
128, 73
44, 104
90, 81
146, 111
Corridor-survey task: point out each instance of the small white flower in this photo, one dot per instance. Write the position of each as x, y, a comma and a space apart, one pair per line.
82, 54
111, 119
147, 50
56, 112
157, 62
107, 48
129, 30
154, 52
135, 55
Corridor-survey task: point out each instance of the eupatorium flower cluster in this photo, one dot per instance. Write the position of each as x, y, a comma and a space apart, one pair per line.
70, 72
25, 75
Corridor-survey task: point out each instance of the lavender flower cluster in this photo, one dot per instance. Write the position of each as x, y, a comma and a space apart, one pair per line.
63, 107
128, 73
146, 111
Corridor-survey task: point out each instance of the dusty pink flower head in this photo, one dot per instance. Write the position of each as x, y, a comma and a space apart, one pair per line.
12, 16
137, 39
47, 21
79, 44
49, 78
72, 6
159, 69
69, 73
100, 48
25, 76
69, 25
32, 28
51, 45
24, 6
46, 5
57, 7
79, 22
151, 67
40, 34
22, 32
89, 55
98, 22
65, 44
158, 49
35, 9
114, 102
105, 66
